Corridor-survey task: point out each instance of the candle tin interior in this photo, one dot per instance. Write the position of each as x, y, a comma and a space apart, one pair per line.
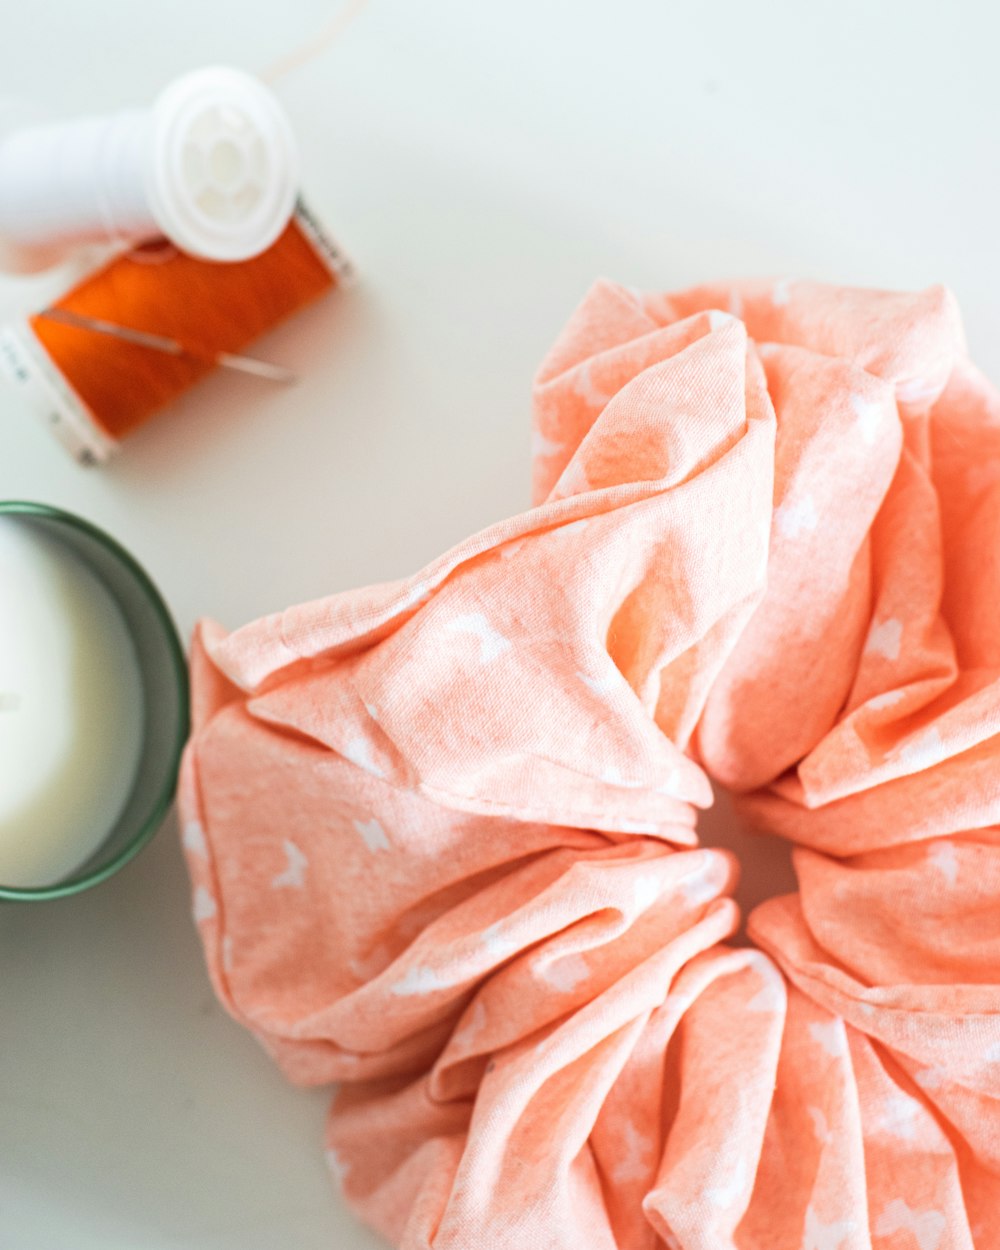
163, 672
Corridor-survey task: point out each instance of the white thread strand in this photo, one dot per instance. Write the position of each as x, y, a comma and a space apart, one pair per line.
317, 44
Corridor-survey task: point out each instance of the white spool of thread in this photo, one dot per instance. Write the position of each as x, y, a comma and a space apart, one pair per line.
212, 166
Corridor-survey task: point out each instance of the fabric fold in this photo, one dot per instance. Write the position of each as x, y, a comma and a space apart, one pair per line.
443, 832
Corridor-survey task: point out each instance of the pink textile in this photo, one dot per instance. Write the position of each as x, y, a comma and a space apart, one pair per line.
442, 831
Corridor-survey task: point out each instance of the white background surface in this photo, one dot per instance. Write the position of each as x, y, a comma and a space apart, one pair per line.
482, 164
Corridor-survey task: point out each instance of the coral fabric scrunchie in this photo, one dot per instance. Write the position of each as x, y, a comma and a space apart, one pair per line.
442, 831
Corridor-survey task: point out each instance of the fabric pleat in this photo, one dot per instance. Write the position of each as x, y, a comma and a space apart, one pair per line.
443, 832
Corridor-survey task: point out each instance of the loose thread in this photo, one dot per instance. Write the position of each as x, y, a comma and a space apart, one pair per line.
316, 45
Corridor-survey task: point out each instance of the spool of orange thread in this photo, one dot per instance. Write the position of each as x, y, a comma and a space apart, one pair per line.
94, 389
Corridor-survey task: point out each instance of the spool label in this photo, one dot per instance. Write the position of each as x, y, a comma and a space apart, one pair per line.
27, 367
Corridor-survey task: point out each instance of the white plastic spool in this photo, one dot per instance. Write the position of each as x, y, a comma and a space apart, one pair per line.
212, 166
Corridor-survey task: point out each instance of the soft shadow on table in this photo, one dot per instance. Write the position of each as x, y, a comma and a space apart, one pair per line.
126, 1137
115, 1130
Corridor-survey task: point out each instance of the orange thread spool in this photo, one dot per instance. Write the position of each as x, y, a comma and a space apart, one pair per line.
114, 386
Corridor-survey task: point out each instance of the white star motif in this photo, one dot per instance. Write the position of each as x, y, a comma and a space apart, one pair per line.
294, 875
491, 642
931, 1078
923, 750
898, 1116
917, 390
726, 1193
373, 835
498, 945
889, 699
566, 973
670, 784
509, 550
339, 1168
574, 481
571, 528
820, 1236
613, 777
475, 1022
632, 1165
418, 980
868, 415
204, 907
884, 638
647, 889
831, 1036
701, 885
194, 839
926, 1226
542, 446
416, 592
781, 292
585, 387
604, 684
771, 997
359, 752
796, 516
769, 1000
943, 857
820, 1126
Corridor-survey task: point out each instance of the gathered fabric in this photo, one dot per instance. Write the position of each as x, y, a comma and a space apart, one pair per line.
442, 832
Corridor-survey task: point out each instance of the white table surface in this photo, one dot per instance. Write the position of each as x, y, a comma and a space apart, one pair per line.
482, 164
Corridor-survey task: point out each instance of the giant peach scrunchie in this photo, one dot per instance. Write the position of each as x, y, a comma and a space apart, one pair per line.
442, 831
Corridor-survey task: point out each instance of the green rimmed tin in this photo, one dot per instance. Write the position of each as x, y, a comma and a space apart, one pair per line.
165, 695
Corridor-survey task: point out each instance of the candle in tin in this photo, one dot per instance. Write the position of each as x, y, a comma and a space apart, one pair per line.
85, 757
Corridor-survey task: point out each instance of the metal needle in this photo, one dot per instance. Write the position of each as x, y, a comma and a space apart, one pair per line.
169, 346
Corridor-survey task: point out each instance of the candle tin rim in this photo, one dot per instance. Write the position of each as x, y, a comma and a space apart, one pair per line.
164, 799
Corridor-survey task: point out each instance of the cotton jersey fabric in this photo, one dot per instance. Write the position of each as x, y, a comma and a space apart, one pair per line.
443, 838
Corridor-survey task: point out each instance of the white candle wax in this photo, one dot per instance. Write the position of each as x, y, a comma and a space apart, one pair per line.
71, 708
